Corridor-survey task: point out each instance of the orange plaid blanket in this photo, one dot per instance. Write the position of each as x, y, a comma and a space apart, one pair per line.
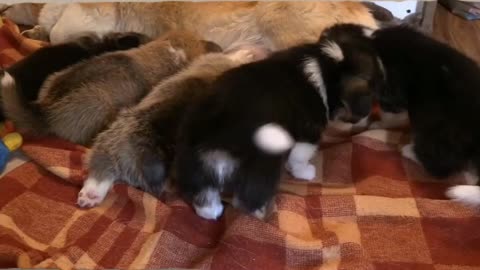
380, 211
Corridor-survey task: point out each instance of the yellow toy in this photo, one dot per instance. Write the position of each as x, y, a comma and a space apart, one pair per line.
10, 142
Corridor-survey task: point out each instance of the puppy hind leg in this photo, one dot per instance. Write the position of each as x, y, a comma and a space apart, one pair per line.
100, 180
298, 163
440, 158
468, 195
94, 191
208, 203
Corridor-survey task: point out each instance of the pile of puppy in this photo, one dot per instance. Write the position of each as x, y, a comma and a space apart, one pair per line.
215, 122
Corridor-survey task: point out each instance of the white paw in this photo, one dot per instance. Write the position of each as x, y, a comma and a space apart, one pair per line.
88, 198
211, 211
465, 194
93, 192
408, 152
304, 171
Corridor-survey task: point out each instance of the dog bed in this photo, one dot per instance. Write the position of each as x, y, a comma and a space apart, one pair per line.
368, 208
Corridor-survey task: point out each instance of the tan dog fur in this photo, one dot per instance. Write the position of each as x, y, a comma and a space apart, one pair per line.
277, 25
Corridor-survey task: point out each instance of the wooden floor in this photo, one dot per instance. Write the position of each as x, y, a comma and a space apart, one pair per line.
459, 33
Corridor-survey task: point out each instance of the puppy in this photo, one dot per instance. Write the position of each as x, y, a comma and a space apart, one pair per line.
30, 73
80, 101
277, 25
438, 87
138, 146
237, 139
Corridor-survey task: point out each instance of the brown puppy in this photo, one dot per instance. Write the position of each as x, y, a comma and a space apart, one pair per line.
138, 146
80, 101
277, 25
30, 73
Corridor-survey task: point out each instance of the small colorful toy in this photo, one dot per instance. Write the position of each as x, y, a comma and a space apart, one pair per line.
10, 142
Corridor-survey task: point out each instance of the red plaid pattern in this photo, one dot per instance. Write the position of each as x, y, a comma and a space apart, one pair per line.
368, 208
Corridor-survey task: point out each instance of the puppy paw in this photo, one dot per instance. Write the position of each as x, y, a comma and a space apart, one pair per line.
210, 211
303, 171
465, 194
408, 152
260, 213
88, 198
93, 192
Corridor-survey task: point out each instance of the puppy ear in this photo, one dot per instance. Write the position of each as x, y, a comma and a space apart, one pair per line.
340, 36
346, 33
212, 46
333, 50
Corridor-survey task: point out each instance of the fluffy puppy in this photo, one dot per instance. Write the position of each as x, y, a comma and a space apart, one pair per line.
138, 146
30, 73
80, 101
238, 139
438, 87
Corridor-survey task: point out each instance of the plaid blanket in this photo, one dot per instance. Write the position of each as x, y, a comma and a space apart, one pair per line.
369, 208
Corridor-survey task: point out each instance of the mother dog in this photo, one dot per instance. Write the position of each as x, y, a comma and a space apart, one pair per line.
275, 25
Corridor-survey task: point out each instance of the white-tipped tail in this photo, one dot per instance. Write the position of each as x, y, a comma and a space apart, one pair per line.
273, 139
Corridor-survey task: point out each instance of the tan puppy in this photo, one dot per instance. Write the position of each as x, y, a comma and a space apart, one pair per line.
80, 101
277, 25
138, 147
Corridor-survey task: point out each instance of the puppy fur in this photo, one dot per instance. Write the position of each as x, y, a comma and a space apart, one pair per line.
138, 146
238, 139
439, 88
80, 101
30, 73
277, 25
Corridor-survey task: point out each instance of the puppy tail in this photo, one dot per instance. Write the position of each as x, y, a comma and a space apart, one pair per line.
24, 115
273, 139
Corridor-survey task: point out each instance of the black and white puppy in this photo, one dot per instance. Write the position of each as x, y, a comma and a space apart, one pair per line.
31, 72
439, 88
237, 140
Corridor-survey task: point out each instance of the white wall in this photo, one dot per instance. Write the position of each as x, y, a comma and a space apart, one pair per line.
398, 8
